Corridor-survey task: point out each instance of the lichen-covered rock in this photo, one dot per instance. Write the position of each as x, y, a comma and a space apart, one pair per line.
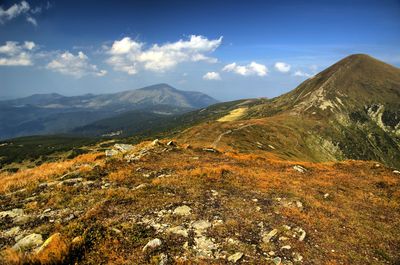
29, 242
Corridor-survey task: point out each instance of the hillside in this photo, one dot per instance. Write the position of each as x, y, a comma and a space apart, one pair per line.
167, 203
349, 111
53, 113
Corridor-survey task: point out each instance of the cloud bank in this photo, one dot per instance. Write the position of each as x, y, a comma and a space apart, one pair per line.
14, 54
129, 56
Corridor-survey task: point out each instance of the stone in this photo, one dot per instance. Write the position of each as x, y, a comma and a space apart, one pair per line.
156, 142
141, 186
299, 204
235, 257
326, 195
123, 147
396, 171
54, 249
277, 260
200, 226
17, 215
212, 150
204, 246
178, 230
297, 257
183, 210
152, 244
29, 242
302, 233
163, 259
266, 238
111, 152
12, 232
299, 168
171, 143
287, 247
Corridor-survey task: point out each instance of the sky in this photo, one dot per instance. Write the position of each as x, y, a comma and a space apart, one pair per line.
226, 49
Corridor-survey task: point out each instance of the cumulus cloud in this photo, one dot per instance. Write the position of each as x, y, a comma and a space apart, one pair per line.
74, 65
302, 74
14, 54
127, 55
252, 68
282, 67
212, 76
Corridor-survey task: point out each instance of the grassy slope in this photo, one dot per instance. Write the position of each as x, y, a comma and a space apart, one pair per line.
357, 223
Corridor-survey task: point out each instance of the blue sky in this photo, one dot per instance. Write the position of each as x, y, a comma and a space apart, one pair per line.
227, 49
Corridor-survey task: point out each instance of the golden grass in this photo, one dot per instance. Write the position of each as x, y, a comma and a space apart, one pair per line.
24, 178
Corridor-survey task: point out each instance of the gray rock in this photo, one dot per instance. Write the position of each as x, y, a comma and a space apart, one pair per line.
29, 242
163, 259
235, 257
152, 244
17, 215
204, 246
183, 210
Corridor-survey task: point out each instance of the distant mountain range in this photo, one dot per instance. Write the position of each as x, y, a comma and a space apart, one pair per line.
54, 113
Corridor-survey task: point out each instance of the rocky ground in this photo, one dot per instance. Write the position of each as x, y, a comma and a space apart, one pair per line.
166, 203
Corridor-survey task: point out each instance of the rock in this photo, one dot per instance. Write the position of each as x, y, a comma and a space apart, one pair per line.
299, 204
302, 233
299, 168
141, 186
171, 143
12, 232
17, 215
152, 244
204, 246
183, 210
287, 247
71, 181
156, 142
123, 147
326, 195
235, 257
271, 146
277, 260
29, 242
396, 171
212, 150
111, 152
297, 257
214, 193
53, 250
47, 210
200, 226
266, 238
163, 259
178, 230
12, 213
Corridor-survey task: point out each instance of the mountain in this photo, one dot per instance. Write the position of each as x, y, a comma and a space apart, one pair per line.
351, 110
54, 113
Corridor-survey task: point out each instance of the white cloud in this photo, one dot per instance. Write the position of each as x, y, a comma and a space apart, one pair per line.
130, 56
14, 54
302, 74
74, 65
14, 11
22, 9
212, 76
282, 67
252, 68
32, 20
